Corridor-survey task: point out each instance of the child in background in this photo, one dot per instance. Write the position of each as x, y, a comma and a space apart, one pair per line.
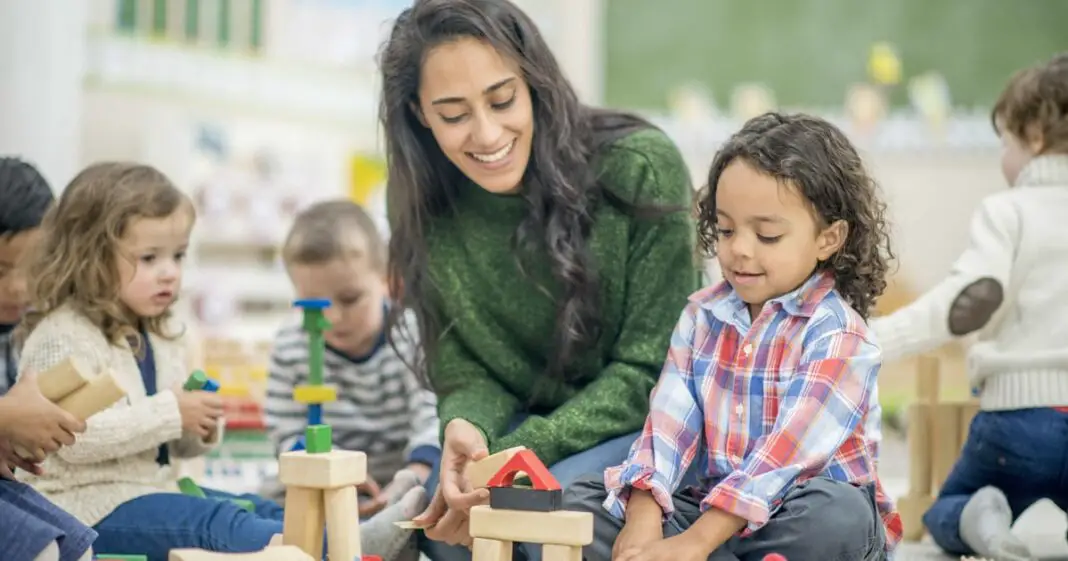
1009, 291
770, 382
32, 527
106, 272
334, 251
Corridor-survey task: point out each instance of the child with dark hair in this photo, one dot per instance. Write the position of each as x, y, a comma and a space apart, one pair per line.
770, 380
33, 527
1007, 290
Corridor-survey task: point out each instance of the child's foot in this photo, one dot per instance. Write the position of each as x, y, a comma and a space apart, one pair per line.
380, 536
403, 481
986, 527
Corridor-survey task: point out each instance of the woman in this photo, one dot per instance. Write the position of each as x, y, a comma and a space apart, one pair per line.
546, 247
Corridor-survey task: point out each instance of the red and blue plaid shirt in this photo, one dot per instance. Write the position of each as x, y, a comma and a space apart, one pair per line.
770, 403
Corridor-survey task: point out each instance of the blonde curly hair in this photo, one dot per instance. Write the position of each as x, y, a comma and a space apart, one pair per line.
76, 260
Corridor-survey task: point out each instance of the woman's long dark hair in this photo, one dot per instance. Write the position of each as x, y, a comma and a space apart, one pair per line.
560, 187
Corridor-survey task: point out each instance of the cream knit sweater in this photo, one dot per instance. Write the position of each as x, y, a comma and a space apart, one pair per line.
1019, 237
114, 460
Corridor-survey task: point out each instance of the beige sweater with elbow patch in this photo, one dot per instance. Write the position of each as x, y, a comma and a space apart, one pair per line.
114, 460
1019, 240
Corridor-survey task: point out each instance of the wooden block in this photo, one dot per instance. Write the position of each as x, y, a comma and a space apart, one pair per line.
525, 498
911, 510
304, 521
275, 540
100, 393
337, 468
491, 550
342, 523
315, 394
563, 527
318, 439
479, 473
63, 379
928, 379
272, 553
919, 442
944, 442
555, 552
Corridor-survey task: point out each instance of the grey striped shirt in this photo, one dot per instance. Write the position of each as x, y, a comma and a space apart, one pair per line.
382, 408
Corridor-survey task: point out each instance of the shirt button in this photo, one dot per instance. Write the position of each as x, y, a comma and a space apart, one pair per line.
739, 410
748, 348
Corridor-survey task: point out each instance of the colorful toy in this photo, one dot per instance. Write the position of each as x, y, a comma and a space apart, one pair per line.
112, 557
315, 393
532, 515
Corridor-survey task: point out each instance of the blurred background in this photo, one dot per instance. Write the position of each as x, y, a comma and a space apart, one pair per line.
259, 107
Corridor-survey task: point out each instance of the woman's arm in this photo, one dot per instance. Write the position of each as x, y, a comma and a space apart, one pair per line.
662, 272
966, 300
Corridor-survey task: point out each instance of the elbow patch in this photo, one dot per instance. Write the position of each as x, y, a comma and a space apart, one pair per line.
975, 305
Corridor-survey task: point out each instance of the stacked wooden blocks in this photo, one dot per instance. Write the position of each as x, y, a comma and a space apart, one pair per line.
937, 431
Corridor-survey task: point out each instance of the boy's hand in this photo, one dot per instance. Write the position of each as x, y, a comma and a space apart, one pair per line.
9, 461
686, 546
372, 499
200, 411
637, 533
34, 424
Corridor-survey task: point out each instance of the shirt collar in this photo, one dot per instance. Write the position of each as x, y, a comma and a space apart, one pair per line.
726, 305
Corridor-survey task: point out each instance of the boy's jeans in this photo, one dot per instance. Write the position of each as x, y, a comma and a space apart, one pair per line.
1024, 453
154, 524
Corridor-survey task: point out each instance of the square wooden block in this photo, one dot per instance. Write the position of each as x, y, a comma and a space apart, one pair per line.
330, 470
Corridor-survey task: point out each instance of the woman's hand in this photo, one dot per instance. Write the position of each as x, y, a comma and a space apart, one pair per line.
446, 518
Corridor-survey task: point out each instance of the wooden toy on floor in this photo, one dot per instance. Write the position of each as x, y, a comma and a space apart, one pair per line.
937, 431
532, 515
281, 553
74, 389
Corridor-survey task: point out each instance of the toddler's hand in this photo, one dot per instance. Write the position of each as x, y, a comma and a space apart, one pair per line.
200, 411
9, 461
36, 425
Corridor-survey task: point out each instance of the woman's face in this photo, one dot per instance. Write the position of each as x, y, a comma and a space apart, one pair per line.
477, 105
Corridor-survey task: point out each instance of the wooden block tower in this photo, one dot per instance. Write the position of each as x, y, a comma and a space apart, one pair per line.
320, 481
531, 515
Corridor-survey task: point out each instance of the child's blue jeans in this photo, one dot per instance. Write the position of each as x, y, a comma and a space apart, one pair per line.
1024, 453
29, 522
154, 524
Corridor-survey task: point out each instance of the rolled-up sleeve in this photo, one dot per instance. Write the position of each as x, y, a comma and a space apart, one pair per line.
672, 433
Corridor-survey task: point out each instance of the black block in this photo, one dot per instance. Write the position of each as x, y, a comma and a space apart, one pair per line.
524, 498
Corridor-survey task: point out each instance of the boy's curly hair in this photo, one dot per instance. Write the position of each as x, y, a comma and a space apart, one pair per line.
1034, 105
813, 156
76, 260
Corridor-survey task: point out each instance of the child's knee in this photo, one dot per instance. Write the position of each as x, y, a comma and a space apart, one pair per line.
49, 553
585, 493
831, 520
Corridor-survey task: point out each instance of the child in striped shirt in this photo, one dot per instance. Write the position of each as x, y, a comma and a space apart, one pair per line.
769, 388
334, 251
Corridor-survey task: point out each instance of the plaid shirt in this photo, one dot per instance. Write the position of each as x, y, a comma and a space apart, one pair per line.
774, 402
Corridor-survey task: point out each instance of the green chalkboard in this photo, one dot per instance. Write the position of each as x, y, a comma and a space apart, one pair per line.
810, 51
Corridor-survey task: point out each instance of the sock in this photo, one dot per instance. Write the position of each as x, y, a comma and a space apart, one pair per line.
986, 527
49, 553
403, 481
380, 536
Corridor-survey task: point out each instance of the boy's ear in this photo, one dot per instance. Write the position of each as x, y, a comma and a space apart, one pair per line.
418, 111
831, 239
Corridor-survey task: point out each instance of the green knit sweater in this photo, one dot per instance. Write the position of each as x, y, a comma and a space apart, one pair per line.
499, 325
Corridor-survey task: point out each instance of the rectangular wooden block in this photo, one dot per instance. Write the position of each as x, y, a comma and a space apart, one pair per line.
491, 550
304, 522
63, 379
919, 442
342, 523
562, 527
330, 470
554, 552
945, 443
525, 498
911, 510
279, 553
